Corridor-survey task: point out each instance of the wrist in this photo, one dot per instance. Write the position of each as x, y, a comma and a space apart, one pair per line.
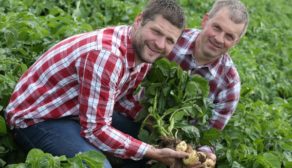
151, 153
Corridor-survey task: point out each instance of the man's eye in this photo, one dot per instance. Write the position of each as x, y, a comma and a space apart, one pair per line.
216, 28
229, 37
156, 32
169, 41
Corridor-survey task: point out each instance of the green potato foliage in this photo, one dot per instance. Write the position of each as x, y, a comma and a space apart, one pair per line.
175, 105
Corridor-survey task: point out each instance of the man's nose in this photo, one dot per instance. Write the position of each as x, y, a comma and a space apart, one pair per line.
219, 38
160, 43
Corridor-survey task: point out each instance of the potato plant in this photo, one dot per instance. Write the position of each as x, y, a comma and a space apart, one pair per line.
37, 158
176, 107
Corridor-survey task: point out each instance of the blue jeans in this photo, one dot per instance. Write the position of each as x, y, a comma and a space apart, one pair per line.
62, 137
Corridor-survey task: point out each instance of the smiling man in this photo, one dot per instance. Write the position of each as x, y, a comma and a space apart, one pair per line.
205, 52
78, 96
154, 40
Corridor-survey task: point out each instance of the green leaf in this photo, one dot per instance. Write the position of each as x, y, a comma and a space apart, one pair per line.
210, 135
203, 84
236, 165
287, 156
269, 160
2, 163
20, 165
178, 116
91, 159
3, 151
34, 154
37, 158
191, 89
3, 129
143, 135
288, 164
287, 146
191, 131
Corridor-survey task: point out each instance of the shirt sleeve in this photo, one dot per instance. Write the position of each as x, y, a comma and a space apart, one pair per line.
99, 74
225, 104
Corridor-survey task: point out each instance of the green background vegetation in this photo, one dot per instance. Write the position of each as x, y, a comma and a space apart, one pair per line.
258, 135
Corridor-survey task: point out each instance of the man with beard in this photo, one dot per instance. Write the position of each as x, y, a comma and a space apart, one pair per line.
78, 96
205, 52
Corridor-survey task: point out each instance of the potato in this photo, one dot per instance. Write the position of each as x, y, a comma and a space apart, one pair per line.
209, 163
192, 159
194, 156
182, 146
202, 156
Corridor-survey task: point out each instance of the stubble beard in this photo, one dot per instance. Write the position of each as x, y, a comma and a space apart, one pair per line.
139, 52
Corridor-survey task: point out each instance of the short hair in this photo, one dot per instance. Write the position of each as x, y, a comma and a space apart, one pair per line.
169, 9
237, 11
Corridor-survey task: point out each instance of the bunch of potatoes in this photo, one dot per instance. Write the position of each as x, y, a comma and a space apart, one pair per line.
195, 157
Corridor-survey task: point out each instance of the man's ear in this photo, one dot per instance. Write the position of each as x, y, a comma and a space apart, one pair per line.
205, 19
237, 41
138, 21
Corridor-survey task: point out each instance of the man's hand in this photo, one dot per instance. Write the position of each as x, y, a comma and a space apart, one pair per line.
166, 156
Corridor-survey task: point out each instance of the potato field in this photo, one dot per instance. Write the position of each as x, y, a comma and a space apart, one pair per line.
259, 134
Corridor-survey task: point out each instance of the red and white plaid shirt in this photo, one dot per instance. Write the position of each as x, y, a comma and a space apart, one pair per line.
222, 75
89, 76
